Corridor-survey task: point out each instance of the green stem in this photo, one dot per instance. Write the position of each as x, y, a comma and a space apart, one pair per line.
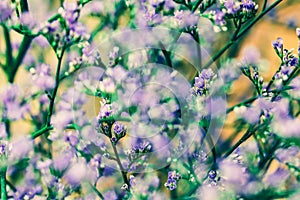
3, 184
166, 54
45, 129
218, 54
23, 49
8, 50
247, 135
41, 131
24, 6
286, 83
263, 13
245, 102
54, 91
11, 186
99, 194
196, 5
269, 155
265, 5
123, 172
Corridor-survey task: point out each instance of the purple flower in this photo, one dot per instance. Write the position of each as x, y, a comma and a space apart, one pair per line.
50, 27
41, 41
173, 177
112, 55
185, 18
171, 184
107, 85
169, 4
28, 20
295, 84
202, 82
118, 73
110, 195
61, 119
72, 137
293, 61
252, 114
278, 44
286, 127
207, 74
42, 78
10, 93
94, 7
44, 165
79, 30
248, 5
3, 148
15, 111
142, 147
95, 161
70, 12
13, 108
119, 128
105, 111
234, 174
5, 10
151, 17
76, 174
62, 160
212, 174
89, 55
285, 155
132, 180
20, 148
219, 18
232, 6
278, 177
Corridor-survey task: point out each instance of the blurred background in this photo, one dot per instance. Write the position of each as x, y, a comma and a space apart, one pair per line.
255, 45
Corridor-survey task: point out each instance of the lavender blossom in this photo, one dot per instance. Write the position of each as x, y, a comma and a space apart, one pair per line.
28, 20
6, 10
173, 177
42, 78
21, 147
278, 44
232, 6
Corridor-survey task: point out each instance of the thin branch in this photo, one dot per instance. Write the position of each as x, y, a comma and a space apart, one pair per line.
3, 184
8, 50
123, 172
54, 91
240, 34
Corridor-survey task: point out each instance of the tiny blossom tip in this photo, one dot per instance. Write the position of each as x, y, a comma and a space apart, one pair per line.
298, 32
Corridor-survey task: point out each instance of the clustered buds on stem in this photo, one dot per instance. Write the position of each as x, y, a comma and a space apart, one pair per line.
202, 82
119, 131
173, 177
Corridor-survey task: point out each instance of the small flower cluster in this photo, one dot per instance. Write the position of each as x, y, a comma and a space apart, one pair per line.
289, 62
12, 104
119, 131
6, 10
173, 177
238, 10
42, 78
240, 7
202, 82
